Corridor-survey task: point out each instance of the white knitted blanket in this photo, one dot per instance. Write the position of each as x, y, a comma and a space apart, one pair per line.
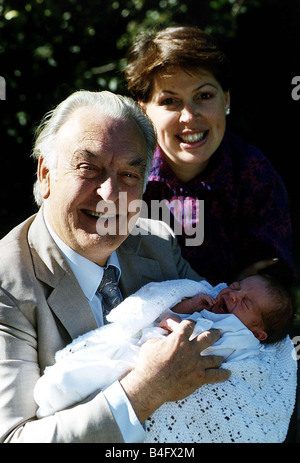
254, 405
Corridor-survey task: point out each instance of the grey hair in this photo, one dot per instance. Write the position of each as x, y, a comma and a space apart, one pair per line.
116, 106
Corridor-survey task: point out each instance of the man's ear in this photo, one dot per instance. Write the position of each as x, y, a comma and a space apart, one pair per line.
43, 177
261, 335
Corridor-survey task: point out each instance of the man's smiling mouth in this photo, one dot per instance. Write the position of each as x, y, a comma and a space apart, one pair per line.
100, 215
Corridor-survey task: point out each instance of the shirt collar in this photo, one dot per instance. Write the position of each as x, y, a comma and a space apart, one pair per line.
87, 273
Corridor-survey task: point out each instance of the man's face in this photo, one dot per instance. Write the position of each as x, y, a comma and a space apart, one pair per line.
97, 158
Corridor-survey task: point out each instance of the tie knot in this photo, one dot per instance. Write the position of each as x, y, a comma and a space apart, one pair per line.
110, 275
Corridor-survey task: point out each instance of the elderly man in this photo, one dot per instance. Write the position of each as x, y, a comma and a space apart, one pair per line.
92, 147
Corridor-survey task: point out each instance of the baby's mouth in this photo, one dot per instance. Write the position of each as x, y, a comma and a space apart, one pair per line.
220, 307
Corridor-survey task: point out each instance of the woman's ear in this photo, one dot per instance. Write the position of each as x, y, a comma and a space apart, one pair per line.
227, 102
43, 177
142, 105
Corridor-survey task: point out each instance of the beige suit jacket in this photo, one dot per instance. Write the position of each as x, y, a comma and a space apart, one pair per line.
42, 308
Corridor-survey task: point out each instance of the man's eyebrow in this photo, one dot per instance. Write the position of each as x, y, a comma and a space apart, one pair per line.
137, 162
140, 162
88, 153
83, 152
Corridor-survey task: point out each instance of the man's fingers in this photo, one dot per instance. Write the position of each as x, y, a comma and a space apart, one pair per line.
207, 339
216, 375
203, 340
185, 327
256, 267
170, 323
262, 264
211, 361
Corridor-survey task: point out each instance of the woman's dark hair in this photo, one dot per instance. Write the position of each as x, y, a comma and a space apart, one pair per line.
187, 47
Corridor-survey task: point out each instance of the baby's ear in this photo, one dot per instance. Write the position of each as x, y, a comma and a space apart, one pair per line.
261, 335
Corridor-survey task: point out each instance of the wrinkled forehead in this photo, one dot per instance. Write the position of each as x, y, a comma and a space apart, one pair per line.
90, 128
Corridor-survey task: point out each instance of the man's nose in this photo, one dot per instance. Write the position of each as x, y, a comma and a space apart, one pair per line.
109, 189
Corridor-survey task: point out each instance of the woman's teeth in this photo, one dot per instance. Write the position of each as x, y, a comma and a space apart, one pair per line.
193, 137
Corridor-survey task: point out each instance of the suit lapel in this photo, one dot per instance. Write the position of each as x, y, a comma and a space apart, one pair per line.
71, 307
137, 271
66, 300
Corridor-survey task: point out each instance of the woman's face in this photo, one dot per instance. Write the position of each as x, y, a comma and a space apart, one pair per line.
188, 111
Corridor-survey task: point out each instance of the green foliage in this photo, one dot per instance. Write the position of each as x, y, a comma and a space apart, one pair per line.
48, 48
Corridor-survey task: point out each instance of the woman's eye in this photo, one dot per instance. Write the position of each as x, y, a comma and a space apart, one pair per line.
205, 96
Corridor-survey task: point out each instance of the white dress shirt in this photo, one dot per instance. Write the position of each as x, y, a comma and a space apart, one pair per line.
89, 276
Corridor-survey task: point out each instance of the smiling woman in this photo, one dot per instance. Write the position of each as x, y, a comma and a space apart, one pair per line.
182, 79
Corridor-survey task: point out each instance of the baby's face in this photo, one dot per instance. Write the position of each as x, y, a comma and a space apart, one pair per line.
247, 300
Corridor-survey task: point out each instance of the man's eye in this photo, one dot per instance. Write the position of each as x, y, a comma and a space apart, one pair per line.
87, 170
167, 102
130, 178
130, 175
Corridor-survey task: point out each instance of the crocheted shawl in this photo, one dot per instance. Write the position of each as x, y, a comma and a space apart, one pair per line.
254, 405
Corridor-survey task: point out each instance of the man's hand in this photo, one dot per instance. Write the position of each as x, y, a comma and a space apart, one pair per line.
172, 368
256, 267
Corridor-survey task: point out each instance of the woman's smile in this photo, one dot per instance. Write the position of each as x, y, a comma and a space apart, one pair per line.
192, 140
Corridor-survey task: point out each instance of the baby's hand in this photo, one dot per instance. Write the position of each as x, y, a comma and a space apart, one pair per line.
194, 304
170, 322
